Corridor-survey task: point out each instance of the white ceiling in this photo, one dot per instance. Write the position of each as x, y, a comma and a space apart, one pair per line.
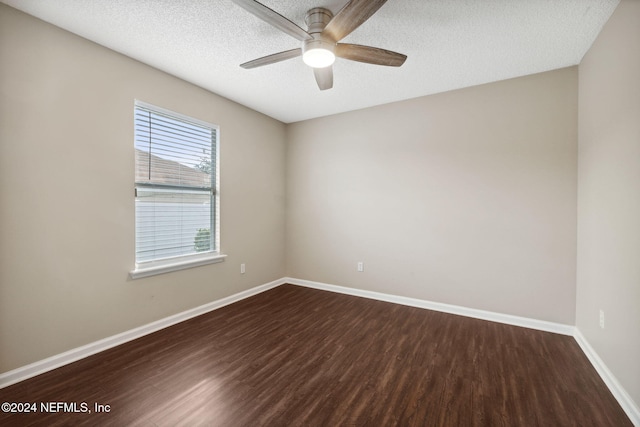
450, 44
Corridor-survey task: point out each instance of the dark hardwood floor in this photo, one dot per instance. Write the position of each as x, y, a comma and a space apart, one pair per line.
294, 356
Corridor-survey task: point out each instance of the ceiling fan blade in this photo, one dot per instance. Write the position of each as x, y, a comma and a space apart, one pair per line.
272, 59
351, 17
370, 55
324, 77
272, 17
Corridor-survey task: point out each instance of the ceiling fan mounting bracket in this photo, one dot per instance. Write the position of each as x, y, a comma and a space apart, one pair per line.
316, 19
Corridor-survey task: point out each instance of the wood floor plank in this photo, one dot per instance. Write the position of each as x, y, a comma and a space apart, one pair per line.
294, 356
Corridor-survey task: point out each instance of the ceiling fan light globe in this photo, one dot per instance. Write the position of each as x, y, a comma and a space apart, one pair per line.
318, 58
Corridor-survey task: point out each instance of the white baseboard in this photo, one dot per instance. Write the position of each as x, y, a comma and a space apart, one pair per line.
53, 362
623, 398
42, 366
508, 319
621, 395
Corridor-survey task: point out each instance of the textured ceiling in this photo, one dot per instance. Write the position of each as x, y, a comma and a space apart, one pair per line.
450, 44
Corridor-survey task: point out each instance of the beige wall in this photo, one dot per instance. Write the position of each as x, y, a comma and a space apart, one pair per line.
466, 197
66, 193
609, 196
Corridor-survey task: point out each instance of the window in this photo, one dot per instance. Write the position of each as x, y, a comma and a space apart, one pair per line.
176, 193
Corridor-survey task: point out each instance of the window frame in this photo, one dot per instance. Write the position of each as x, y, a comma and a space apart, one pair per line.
179, 262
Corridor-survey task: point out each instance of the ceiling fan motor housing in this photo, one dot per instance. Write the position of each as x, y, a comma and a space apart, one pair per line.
316, 19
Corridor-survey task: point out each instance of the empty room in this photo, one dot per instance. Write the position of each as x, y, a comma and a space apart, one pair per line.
320, 213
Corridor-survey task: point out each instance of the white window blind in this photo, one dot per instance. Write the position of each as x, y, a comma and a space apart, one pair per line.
175, 185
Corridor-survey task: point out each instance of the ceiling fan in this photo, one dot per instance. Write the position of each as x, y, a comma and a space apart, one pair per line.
320, 42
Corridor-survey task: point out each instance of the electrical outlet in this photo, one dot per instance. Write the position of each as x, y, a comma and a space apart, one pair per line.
242, 268
360, 266
601, 319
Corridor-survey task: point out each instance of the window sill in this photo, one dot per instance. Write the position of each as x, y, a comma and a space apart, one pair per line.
169, 266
